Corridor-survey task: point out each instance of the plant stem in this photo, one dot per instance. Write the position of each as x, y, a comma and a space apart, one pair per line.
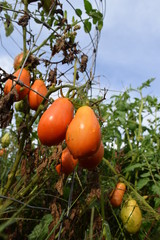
24, 29
12, 173
91, 224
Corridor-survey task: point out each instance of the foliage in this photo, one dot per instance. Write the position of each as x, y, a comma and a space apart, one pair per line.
35, 202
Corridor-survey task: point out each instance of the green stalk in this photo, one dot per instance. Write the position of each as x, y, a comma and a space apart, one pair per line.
24, 29
102, 203
139, 134
140, 118
91, 224
12, 173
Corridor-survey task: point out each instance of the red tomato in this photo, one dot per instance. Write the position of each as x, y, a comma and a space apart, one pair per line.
83, 136
21, 90
53, 124
93, 160
67, 163
117, 194
33, 98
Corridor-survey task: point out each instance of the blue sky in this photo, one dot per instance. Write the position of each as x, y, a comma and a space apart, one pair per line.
128, 51
129, 46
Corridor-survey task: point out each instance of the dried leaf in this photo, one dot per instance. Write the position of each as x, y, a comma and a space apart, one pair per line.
59, 185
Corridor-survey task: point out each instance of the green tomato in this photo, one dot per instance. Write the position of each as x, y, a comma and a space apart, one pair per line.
20, 106
131, 216
5, 140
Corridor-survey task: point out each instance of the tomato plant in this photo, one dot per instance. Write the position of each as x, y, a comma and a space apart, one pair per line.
115, 141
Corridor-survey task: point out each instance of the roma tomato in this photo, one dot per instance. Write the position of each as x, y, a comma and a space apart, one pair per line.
117, 194
93, 160
83, 135
21, 90
131, 216
53, 124
35, 99
67, 163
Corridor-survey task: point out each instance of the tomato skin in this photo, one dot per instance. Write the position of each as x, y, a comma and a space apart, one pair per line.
53, 124
117, 194
2, 152
131, 216
83, 135
21, 91
67, 163
18, 60
93, 160
33, 98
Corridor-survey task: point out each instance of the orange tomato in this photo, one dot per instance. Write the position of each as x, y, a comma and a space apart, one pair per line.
117, 194
2, 152
92, 161
21, 90
53, 124
33, 98
83, 135
18, 60
67, 163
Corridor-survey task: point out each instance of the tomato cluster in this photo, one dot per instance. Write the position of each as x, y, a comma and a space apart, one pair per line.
81, 133
21, 82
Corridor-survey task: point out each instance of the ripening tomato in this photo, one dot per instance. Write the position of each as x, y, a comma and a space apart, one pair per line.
53, 124
117, 194
93, 160
35, 99
2, 152
18, 60
67, 163
21, 90
131, 216
83, 136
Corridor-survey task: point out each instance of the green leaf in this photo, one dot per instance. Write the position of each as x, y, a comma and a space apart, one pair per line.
142, 182
157, 176
78, 12
122, 120
144, 175
87, 26
134, 166
100, 25
40, 231
156, 188
8, 26
106, 231
88, 6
